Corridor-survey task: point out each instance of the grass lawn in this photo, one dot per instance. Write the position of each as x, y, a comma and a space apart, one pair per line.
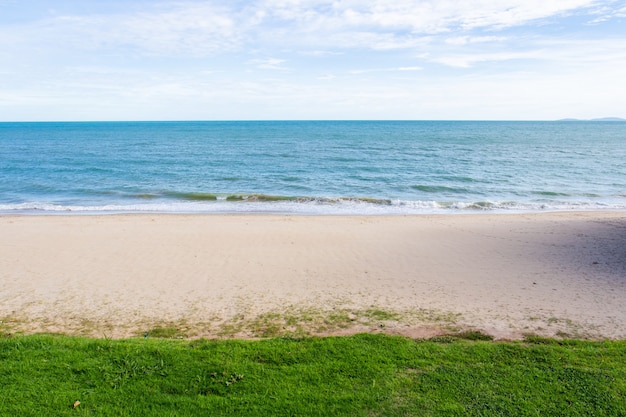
362, 375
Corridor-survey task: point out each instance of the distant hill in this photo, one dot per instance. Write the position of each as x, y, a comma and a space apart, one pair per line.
609, 119
601, 119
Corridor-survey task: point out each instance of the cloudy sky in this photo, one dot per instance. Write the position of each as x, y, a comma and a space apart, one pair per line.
311, 59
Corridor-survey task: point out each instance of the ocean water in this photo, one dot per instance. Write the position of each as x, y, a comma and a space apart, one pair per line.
312, 167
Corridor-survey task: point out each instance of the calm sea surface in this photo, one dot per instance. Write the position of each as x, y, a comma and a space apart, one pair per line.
316, 167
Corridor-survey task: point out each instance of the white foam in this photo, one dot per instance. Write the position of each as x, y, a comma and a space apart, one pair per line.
310, 207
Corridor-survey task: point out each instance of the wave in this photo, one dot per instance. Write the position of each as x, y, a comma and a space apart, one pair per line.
552, 194
191, 196
254, 197
260, 203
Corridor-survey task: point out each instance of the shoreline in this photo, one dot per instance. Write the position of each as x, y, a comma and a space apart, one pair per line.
295, 206
556, 274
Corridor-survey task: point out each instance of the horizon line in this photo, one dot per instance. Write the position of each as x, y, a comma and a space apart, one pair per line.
598, 119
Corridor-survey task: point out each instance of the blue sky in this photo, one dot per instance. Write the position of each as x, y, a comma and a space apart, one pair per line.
311, 59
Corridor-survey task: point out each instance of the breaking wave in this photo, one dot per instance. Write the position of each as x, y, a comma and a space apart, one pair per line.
261, 203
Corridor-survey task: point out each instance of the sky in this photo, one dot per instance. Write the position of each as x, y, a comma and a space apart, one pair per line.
81, 60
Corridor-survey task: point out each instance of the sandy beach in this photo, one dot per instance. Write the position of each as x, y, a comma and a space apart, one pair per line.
552, 274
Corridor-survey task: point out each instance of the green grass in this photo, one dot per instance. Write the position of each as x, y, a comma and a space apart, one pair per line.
166, 332
296, 321
362, 375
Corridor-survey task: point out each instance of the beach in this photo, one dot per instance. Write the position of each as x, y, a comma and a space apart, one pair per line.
559, 274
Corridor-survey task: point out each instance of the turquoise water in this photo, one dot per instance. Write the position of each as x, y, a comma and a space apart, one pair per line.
312, 167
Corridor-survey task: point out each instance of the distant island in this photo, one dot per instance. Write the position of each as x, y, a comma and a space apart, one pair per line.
601, 119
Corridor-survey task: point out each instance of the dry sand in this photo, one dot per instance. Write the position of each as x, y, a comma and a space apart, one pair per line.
552, 274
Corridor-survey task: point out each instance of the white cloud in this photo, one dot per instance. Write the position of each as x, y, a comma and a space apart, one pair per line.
320, 53
417, 16
196, 29
608, 11
501, 14
565, 53
193, 29
269, 64
468, 60
199, 28
392, 69
465, 40
312, 58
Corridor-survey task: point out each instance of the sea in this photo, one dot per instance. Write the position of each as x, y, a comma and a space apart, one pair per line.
312, 167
